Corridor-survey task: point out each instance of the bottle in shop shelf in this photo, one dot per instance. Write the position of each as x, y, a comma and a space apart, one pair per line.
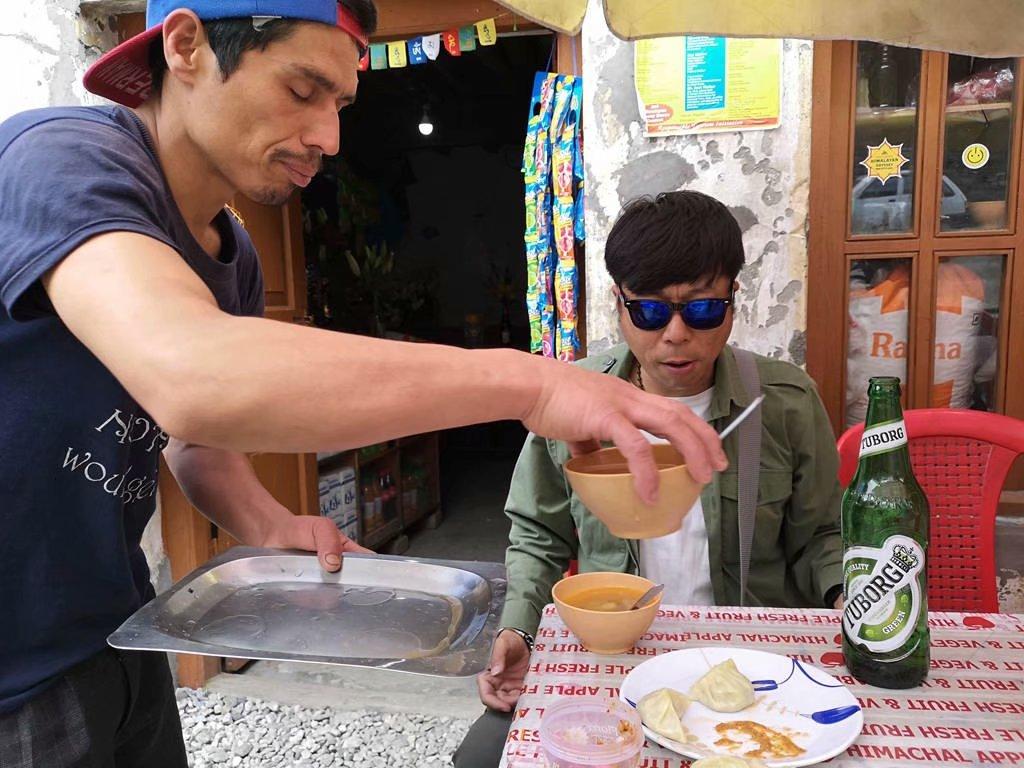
381, 500
370, 500
411, 482
420, 485
886, 80
388, 497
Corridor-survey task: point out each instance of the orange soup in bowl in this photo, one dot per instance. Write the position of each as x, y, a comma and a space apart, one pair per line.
595, 606
605, 598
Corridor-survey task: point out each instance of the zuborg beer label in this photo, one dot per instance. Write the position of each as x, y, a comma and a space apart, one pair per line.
883, 592
883, 438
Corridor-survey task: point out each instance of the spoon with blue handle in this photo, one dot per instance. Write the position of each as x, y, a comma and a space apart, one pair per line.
822, 717
834, 715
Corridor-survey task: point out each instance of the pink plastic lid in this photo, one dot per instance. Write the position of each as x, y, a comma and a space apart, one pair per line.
588, 730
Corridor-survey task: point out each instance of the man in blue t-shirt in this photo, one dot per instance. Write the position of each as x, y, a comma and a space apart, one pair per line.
130, 325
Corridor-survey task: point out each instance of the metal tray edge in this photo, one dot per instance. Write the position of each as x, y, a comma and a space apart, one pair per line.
126, 637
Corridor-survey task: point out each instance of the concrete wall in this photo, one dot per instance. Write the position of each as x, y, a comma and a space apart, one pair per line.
763, 176
45, 48
40, 54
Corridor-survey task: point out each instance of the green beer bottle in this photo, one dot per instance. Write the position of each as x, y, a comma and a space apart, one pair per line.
885, 536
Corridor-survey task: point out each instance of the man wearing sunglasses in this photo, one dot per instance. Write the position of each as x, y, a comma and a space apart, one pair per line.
674, 261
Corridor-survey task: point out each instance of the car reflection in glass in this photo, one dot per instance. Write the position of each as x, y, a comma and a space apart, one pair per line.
889, 207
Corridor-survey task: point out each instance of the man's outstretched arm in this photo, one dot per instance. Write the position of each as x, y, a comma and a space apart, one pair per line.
250, 384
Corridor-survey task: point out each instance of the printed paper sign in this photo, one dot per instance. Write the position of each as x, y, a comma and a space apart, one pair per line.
396, 54
467, 39
432, 46
378, 56
451, 42
702, 84
975, 156
487, 32
416, 54
884, 161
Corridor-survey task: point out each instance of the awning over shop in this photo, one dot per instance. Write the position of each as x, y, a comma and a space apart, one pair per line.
990, 28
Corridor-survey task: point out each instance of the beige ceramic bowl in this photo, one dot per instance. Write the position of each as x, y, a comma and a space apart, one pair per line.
605, 486
604, 631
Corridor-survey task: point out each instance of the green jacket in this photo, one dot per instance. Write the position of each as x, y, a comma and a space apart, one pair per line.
797, 554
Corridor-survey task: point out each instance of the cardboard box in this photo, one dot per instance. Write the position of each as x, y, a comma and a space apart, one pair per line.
338, 500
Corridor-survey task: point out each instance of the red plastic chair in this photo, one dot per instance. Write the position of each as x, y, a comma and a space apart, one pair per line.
961, 459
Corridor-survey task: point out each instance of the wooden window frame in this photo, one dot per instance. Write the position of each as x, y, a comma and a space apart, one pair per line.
831, 245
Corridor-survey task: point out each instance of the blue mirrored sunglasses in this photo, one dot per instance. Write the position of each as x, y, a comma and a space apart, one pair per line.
698, 314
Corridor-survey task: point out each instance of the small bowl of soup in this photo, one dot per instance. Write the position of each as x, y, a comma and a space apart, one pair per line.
596, 607
605, 486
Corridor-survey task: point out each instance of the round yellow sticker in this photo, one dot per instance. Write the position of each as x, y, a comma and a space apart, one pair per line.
975, 156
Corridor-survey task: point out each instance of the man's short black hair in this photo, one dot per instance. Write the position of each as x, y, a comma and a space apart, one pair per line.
676, 237
230, 39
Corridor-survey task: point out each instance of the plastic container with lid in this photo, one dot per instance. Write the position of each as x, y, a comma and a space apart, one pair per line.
590, 732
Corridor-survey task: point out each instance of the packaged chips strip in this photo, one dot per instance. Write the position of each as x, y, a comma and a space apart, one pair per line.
563, 139
538, 237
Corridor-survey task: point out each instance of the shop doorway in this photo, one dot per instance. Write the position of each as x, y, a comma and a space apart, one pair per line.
415, 231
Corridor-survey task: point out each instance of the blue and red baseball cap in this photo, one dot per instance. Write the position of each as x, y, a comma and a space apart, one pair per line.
123, 75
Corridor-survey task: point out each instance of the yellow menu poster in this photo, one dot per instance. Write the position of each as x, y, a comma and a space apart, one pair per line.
703, 84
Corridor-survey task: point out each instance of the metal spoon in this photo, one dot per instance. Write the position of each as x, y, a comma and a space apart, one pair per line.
648, 596
736, 422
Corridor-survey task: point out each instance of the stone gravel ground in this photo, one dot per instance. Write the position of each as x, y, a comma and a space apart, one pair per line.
232, 732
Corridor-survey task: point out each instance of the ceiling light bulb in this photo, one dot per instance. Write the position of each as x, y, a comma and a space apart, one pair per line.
426, 123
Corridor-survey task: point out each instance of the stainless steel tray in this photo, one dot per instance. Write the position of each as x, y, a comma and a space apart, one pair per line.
430, 617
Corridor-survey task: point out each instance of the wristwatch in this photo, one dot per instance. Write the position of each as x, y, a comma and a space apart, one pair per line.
832, 595
527, 637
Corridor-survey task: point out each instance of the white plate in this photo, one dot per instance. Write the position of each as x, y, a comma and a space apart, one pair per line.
802, 689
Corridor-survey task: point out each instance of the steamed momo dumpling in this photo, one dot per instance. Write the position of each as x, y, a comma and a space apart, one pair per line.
724, 689
662, 712
726, 761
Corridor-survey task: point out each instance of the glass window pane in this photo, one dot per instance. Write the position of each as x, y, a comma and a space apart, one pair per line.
970, 290
879, 339
977, 152
885, 139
